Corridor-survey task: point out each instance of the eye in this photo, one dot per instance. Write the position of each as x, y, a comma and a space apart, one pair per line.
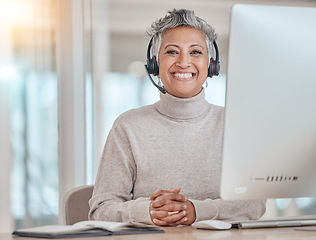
196, 52
172, 52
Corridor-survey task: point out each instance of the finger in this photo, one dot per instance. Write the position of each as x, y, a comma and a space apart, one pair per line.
159, 222
156, 217
168, 199
158, 193
175, 190
167, 216
164, 224
174, 220
176, 217
174, 196
170, 206
158, 214
182, 221
162, 214
174, 212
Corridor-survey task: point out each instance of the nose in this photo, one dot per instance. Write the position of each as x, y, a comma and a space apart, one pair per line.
183, 60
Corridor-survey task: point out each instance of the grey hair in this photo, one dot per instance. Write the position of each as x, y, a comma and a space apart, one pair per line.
176, 18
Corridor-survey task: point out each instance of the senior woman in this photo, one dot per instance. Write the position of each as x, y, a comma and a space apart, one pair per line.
161, 163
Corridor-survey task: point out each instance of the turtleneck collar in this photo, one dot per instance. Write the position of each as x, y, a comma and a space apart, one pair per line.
182, 108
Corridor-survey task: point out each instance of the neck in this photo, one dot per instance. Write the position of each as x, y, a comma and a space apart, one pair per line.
182, 108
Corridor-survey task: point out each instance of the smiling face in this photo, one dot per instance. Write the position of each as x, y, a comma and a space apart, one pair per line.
183, 61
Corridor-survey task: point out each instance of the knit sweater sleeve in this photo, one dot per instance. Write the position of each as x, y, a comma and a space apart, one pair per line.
112, 198
229, 210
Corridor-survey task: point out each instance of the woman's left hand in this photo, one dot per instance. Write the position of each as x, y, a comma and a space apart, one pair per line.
170, 208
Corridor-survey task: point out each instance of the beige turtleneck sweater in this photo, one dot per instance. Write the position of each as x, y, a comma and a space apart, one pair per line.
172, 143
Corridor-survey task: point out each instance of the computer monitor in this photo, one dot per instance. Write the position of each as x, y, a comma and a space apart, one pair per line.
269, 148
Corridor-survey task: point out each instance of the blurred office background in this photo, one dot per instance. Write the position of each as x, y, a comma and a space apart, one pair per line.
68, 68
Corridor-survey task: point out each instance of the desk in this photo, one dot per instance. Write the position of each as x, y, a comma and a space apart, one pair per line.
189, 233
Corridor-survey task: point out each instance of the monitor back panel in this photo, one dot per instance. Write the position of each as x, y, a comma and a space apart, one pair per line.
269, 146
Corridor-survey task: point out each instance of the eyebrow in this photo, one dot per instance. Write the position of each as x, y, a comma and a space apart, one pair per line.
177, 46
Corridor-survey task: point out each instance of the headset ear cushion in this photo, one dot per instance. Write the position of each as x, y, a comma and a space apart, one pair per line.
214, 68
152, 66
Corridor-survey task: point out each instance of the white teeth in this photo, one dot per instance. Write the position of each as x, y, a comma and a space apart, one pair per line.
183, 75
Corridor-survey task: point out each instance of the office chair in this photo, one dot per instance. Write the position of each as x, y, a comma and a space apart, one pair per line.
76, 204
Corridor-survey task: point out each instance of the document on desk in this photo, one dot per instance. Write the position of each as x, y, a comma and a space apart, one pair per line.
87, 229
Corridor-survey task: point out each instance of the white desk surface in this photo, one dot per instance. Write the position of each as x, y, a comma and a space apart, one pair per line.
189, 233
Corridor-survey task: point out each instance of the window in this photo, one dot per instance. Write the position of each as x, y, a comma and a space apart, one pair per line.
28, 68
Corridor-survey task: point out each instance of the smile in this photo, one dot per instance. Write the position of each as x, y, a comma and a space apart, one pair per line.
183, 75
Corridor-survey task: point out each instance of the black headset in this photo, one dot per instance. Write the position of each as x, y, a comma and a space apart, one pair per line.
153, 68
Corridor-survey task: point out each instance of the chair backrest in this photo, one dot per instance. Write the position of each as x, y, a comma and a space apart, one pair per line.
76, 204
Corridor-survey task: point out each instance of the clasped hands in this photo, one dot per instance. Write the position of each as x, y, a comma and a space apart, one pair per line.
170, 208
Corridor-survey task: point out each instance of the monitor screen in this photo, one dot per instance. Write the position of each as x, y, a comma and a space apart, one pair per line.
269, 146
